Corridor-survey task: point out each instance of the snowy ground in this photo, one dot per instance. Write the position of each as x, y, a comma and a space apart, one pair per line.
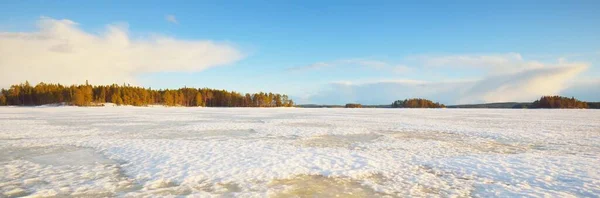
248, 152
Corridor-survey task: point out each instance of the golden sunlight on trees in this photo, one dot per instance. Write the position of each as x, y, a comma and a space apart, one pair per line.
2, 99
88, 95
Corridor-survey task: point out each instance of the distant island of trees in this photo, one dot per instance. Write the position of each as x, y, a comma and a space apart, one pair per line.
545, 102
553, 102
25, 94
353, 105
416, 103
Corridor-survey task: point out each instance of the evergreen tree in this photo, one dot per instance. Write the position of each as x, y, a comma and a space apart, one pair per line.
169, 98
116, 98
199, 101
101, 95
79, 98
2, 99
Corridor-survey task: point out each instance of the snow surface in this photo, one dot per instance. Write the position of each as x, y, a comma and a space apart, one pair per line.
286, 152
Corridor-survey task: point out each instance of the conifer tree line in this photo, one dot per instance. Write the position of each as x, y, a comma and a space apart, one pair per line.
416, 103
594, 105
559, 102
88, 95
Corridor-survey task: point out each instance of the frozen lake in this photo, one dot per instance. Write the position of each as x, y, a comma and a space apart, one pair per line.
250, 152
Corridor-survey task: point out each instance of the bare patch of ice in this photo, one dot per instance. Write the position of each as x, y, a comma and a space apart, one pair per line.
307, 124
72, 158
462, 141
321, 186
343, 141
60, 171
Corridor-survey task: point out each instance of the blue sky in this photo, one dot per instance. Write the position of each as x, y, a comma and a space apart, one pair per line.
334, 51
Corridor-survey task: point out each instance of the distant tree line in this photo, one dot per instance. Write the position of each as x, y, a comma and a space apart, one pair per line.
88, 95
353, 105
544, 102
416, 103
561, 102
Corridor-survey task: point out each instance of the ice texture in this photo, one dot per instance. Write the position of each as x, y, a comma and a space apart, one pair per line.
294, 152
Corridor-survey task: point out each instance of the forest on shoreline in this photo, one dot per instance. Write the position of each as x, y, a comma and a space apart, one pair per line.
25, 94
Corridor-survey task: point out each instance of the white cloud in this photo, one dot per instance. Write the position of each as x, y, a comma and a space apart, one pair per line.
583, 89
375, 64
61, 52
318, 65
523, 86
400, 69
493, 78
469, 60
171, 19
382, 92
491, 63
526, 85
495, 63
366, 63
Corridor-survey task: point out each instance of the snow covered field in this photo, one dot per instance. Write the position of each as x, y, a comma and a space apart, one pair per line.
249, 152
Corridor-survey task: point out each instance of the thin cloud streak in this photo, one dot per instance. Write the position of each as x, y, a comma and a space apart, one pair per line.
171, 19
343, 63
492, 63
314, 66
525, 85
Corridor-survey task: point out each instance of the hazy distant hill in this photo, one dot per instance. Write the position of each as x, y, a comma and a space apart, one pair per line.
594, 105
504, 105
318, 106
500, 105
339, 106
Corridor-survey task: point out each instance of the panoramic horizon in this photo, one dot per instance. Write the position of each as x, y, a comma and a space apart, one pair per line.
317, 53
300, 99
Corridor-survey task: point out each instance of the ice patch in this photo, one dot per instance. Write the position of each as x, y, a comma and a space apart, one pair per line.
60, 171
196, 135
343, 141
16, 192
79, 157
467, 142
525, 175
320, 186
307, 124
